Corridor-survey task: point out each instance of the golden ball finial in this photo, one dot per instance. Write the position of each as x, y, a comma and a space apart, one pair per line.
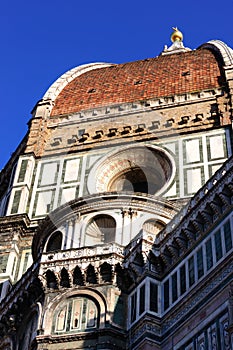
176, 35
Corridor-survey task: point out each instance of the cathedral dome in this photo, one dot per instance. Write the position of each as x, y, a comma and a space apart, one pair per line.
96, 85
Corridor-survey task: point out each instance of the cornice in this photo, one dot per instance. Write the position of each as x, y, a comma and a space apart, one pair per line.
121, 109
20, 221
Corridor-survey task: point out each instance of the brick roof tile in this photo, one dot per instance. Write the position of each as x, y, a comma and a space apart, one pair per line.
140, 80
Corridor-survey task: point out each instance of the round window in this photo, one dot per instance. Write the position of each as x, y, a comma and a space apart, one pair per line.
145, 169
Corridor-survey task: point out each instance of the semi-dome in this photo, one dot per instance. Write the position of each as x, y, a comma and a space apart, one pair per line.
101, 84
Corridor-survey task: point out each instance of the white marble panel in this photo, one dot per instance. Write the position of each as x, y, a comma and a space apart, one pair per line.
71, 170
171, 147
192, 151
193, 177
49, 173
43, 203
67, 195
216, 147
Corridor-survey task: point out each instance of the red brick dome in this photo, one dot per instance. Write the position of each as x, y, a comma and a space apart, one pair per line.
165, 75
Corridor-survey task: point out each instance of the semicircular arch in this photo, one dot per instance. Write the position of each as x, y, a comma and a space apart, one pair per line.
70, 294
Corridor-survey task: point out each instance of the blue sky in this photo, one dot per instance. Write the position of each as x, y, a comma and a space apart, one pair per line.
40, 40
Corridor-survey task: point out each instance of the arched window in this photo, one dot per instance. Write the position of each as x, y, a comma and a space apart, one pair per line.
76, 314
100, 230
153, 226
91, 275
78, 277
51, 280
65, 281
54, 242
106, 272
138, 260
